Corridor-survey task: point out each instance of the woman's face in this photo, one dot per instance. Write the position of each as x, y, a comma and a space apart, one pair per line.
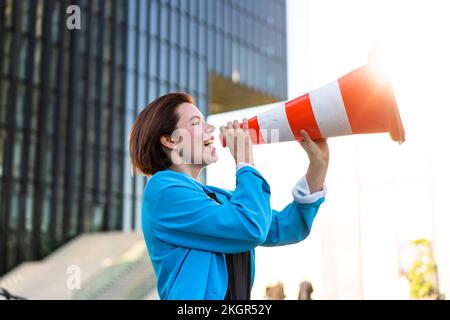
196, 143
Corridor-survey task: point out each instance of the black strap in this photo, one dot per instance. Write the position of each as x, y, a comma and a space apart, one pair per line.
213, 196
239, 276
239, 271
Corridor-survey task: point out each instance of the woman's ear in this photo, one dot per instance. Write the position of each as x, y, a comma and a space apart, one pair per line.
167, 142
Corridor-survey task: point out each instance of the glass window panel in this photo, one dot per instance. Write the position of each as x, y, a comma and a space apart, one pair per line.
130, 103
20, 104
173, 87
234, 55
242, 63
6, 53
227, 18
34, 112
23, 58
211, 12
117, 132
202, 40
193, 8
143, 15
17, 154
25, 8
2, 143
211, 49
174, 22
219, 15
132, 13
131, 54
173, 65
269, 13
164, 60
153, 90
258, 70
108, 9
164, 19
120, 10
37, 62
234, 22
163, 88
50, 115
203, 105
142, 52
193, 38
227, 57
154, 59
3, 102
12, 241
154, 18
184, 28
183, 69
203, 77
142, 92
202, 10
184, 5
192, 72
219, 53
8, 10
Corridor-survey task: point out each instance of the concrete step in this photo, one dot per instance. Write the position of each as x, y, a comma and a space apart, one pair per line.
110, 265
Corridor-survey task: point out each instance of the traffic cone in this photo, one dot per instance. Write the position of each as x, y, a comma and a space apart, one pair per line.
360, 102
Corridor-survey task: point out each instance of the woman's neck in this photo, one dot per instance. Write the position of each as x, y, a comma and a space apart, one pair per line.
189, 169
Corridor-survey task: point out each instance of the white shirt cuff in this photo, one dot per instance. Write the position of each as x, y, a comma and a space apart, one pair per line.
244, 164
302, 195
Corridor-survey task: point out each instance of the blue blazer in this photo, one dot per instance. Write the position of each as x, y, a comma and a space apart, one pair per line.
187, 233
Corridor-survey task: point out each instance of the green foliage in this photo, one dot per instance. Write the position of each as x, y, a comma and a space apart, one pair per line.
423, 272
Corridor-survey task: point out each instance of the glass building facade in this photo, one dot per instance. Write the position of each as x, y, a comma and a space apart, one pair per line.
68, 99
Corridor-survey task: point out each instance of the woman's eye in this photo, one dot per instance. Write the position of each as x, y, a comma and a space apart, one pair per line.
196, 123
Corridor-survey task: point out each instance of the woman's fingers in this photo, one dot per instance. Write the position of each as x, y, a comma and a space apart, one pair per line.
306, 142
305, 136
245, 122
238, 140
317, 150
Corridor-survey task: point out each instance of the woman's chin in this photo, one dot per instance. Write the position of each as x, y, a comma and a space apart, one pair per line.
209, 155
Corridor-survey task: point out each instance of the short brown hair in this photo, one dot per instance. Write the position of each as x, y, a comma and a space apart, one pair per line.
155, 120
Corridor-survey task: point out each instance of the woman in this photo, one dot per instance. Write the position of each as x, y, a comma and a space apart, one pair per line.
201, 238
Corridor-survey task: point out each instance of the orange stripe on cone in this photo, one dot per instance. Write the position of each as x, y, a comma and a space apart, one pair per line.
300, 116
255, 132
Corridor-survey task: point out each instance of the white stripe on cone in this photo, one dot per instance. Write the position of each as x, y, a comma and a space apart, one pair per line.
274, 125
329, 111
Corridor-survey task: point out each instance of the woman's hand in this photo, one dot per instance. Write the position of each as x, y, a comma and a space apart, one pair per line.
319, 155
238, 141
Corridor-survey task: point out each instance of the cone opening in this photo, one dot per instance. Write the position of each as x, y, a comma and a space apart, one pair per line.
396, 129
